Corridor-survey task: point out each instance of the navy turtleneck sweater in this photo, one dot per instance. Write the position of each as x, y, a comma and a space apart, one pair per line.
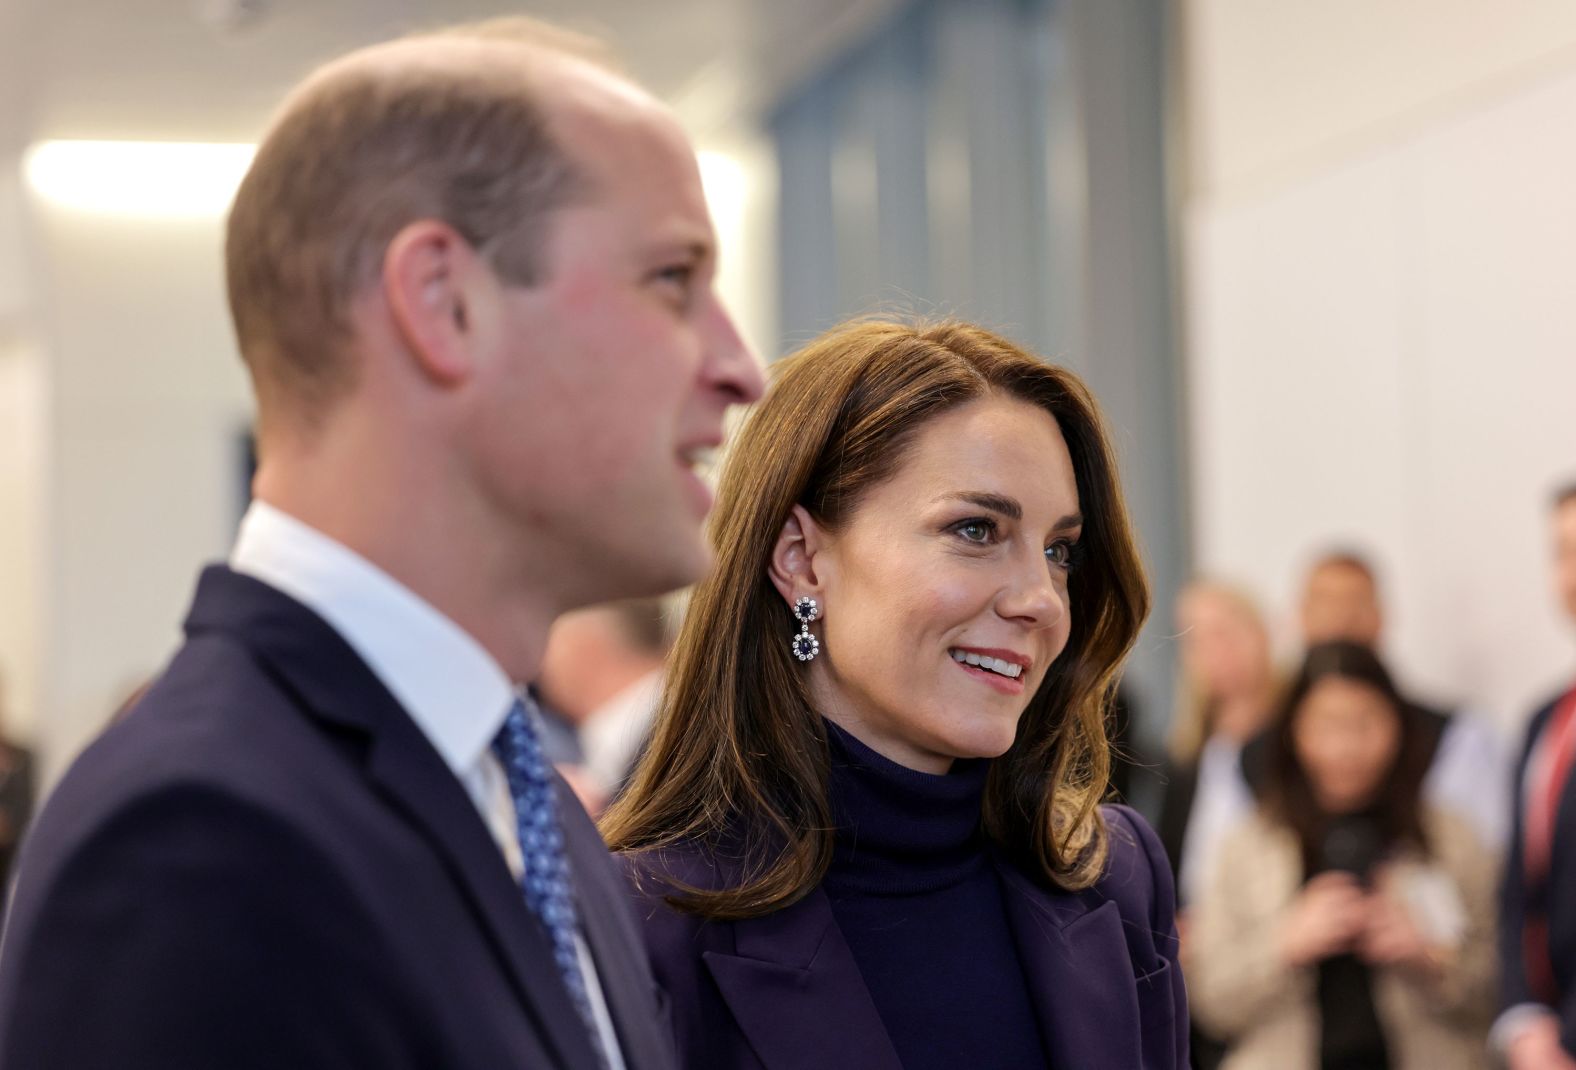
919, 902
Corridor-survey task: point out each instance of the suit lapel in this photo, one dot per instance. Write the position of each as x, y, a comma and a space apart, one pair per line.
797, 994
1075, 959
336, 688
616, 944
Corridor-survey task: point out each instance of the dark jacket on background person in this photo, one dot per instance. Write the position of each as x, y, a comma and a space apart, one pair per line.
1554, 898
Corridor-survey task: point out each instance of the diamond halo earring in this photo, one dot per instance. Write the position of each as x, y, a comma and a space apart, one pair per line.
806, 646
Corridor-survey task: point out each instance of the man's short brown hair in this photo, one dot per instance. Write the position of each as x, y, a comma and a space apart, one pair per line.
364, 150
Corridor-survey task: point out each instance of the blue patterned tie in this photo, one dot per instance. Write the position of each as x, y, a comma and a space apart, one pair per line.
549, 892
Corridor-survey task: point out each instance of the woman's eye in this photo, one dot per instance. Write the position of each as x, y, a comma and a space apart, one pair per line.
1062, 553
976, 531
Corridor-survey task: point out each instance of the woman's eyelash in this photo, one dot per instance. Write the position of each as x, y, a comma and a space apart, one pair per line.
1072, 550
986, 524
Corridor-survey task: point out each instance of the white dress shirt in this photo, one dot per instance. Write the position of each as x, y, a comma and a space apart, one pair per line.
453, 690
1221, 801
1471, 777
614, 732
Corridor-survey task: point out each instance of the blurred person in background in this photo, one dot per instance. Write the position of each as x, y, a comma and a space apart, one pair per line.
602, 672
1536, 1029
471, 274
1468, 766
866, 833
16, 792
1229, 690
1350, 924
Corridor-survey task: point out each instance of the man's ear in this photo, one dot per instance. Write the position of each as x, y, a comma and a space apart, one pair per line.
430, 275
793, 566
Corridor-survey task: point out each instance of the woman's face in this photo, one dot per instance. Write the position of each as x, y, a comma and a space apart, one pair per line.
944, 596
1223, 649
1346, 735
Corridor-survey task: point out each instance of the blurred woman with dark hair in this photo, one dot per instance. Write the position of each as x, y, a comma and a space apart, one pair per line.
1348, 925
867, 830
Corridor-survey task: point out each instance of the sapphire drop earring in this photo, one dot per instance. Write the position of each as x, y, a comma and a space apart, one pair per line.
805, 645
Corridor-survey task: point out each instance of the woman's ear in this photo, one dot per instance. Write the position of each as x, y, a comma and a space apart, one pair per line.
793, 563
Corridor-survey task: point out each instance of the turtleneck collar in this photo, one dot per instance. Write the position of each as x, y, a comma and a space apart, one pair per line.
901, 831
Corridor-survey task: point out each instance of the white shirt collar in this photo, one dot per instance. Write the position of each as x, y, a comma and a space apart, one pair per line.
448, 684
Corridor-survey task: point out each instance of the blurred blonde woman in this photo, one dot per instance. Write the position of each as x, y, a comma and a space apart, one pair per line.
1229, 688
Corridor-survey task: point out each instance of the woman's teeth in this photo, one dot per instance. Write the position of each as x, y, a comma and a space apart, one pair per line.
995, 665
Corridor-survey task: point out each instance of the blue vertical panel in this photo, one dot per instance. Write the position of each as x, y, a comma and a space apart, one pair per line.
1132, 368
985, 39
856, 192
948, 168
807, 251
895, 98
1059, 184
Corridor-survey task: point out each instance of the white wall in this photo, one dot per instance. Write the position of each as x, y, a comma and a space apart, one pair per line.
23, 437
1379, 271
23, 444
144, 475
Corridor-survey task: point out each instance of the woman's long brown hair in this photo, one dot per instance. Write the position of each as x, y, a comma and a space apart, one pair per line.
738, 762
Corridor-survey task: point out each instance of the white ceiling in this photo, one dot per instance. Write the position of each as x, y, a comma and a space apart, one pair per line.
164, 69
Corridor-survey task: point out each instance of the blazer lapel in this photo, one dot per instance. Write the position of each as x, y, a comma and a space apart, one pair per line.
796, 992
616, 943
334, 686
1076, 962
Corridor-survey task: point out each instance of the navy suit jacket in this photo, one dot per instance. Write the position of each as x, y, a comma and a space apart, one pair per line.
783, 992
1557, 898
268, 865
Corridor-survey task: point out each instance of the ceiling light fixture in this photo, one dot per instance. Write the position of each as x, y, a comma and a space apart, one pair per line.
138, 178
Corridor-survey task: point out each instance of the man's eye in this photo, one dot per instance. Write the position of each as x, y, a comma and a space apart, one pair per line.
679, 276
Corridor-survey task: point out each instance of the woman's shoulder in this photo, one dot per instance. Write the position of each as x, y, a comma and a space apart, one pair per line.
1136, 875
657, 875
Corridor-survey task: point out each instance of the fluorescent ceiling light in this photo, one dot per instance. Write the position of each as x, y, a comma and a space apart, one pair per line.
138, 178
722, 178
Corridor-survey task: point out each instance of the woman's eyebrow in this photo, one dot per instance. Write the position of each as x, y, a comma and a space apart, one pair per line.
1008, 507
996, 503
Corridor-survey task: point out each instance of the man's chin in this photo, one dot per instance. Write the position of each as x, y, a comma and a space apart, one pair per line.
688, 561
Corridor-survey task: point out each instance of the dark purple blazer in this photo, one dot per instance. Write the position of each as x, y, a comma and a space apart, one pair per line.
783, 992
268, 865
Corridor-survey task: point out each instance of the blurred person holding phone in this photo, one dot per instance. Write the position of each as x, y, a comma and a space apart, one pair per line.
1349, 925
1468, 762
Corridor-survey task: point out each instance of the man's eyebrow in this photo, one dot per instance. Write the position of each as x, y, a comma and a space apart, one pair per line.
690, 249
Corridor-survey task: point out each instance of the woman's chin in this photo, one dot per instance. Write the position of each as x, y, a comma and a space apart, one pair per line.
983, 741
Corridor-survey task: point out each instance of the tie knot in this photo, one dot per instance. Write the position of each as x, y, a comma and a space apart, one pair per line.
516, 734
